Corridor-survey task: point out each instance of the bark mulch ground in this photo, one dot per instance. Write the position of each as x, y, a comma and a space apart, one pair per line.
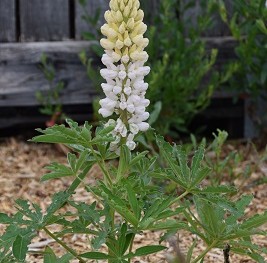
22, 165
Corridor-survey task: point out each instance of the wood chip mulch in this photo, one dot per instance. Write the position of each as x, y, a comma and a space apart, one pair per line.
22, 165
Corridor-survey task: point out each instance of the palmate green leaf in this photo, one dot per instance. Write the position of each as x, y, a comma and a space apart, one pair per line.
169, 213
55, 138
96, 255
128, 239
201, 174
159, 205
81, 176
248, 245
81, 160
133, 200
147, 250
65, 259
7, 257
99, 239
105, 130
119, 205
72, 161
221, 189
241, 206
58, 200
88, 214
125, 159
247, 252
137, 158
5, 219
20, 246
125, 239
166, 151
183, 163
57, 171
49, 256
196, 161
35, 213
169, 224
122, 238
168, 174
254, 222
190, 252
220, 202
66, 135
235, 233
8, 238
77, 163
211, 217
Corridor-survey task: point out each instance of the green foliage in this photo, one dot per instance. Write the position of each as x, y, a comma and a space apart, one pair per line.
50, 257
247, 24
50, 100
180, 64
127, 190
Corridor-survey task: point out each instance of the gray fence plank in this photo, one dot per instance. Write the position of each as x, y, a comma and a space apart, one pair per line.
91, 8
44, 20
21, 76
151, 8
7, 21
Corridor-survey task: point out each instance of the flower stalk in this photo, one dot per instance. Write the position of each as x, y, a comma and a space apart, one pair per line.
125, 58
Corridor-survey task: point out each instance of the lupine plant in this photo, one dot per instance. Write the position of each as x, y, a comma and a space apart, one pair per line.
127, 201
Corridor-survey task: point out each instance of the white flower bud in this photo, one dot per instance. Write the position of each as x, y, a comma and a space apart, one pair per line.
108, 73
143, 126
122, 75
117, 89
105, 113
107, 60
131, 108
127, 90
107, 31
107, 44
123, 105
131, 145
134, 128
144, 116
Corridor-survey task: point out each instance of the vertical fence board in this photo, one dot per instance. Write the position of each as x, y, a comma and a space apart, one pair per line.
44, 20
151, 8
7, 21
90, 9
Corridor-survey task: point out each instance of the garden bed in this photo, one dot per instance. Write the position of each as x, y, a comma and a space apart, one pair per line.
21, 167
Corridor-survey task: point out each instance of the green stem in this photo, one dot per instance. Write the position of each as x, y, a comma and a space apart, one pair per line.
88, 188
70, 250
120, 172
112, 214
180, 197
131, 247
203, 254
102, 166
79, 179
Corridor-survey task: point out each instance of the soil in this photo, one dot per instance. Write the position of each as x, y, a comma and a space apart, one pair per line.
22, 165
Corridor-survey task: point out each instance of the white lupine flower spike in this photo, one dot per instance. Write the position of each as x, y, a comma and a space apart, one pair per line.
124, 59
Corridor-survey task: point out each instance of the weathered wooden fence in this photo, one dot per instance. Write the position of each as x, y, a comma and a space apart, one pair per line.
29, 28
